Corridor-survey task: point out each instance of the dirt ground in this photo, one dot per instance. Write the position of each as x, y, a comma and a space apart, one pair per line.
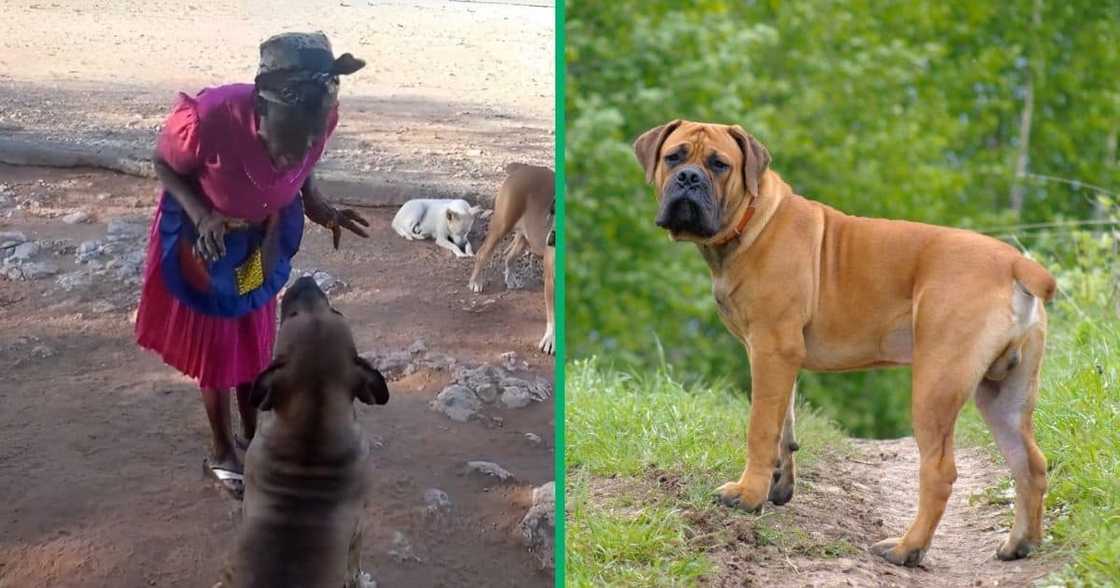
452, 91
101, 444
843, 506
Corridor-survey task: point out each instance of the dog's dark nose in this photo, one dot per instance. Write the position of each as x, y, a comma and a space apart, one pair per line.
304, 288
689, 177
303, 284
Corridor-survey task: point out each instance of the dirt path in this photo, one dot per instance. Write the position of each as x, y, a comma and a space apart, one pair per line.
101, 444
844, 506
452, 92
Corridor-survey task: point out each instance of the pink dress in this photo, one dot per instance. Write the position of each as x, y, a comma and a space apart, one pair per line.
212, 138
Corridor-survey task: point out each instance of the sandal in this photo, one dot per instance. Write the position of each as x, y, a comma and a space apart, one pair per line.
232, 482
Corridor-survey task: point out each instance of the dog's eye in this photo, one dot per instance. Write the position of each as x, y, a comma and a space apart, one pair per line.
717, 164
673, 158
335, 310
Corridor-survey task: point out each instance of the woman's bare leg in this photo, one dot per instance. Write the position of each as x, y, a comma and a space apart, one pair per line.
217, 412
247, 410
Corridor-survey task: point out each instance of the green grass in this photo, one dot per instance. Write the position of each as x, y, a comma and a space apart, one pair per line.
626, 429
1077, 424
629, 432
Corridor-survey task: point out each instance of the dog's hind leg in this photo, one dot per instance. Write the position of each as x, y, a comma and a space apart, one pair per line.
785, 474
1007, 406
516, 248
951, 355
502, 222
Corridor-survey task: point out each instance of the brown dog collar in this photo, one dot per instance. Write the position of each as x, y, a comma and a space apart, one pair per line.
739, 226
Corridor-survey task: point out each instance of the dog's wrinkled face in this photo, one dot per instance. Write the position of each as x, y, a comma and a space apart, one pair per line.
460, 220
702, 173
315, 354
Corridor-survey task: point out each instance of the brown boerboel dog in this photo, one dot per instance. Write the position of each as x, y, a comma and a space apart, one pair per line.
307, 470
803, 285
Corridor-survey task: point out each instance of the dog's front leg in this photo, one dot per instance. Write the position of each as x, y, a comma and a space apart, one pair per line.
442, 241
775, 360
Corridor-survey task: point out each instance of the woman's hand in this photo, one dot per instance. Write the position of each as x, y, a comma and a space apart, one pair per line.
332, 218
211, 228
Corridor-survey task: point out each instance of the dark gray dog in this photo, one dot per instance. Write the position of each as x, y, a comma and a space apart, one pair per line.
306, 471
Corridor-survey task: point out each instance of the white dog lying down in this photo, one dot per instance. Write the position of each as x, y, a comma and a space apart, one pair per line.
448, 222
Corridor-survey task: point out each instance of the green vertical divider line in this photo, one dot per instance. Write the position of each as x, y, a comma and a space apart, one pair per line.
559, 303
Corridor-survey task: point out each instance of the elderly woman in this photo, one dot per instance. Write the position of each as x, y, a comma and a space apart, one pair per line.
236, 166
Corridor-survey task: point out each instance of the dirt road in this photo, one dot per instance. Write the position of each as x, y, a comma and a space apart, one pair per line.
843, 506
101, 445
452, 92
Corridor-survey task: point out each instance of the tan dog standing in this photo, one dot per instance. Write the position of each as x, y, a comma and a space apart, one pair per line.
523, 205
803, 285
306, 471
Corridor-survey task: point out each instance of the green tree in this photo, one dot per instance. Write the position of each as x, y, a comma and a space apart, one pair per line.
898, 109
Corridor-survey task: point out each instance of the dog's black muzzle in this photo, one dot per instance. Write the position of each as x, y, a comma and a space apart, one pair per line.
304, 293
687, 205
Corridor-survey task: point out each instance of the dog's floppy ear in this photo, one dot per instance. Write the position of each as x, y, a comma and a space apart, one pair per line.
370, 387
261, 396
346, 64
475, 210
647, 147
755, 158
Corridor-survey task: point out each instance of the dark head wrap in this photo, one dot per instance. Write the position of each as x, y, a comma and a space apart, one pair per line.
299, 69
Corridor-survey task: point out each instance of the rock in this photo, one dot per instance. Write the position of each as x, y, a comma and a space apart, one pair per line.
76, 217
402, 549
491, 384
364, 580
457, 402
42, 352
74, 280
393, 365
516, 397
12, 237
512, 362
103, 306
87, 249
120, 229
489, 468
418, 347
488, 392
328, 283
436, 500
32, 271
538, 525
24, 251
533, 438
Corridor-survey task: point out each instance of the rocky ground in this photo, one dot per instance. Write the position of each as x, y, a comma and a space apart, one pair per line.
101, 444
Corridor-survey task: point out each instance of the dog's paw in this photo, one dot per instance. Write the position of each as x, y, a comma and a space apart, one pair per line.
475, 286
1012, 550
547, 344
736, 495
895, 552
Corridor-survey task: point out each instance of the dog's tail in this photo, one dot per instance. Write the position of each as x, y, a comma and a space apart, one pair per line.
1034, 278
